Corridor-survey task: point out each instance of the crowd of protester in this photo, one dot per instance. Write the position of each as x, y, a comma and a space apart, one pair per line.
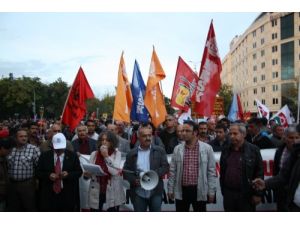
40, 164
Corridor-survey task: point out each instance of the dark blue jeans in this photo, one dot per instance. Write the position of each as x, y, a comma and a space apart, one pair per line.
154, 203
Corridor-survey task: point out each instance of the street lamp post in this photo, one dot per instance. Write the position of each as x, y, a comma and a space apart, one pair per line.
33, 104
41, 112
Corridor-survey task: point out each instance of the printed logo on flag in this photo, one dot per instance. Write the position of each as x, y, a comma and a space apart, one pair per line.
263, 113
281, 119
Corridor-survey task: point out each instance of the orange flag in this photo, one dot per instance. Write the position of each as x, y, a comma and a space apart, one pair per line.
75, 107
154, 99
123, 99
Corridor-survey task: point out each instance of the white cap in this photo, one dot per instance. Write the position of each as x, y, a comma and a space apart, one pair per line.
59, 141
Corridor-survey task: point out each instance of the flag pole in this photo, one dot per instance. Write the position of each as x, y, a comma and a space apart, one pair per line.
68, 97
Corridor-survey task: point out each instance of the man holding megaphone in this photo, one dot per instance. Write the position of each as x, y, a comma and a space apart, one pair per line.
148, 164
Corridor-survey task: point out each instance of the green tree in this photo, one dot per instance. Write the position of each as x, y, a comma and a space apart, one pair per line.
92, 105
17, 95
107, 105
289, 97
226, 93
57, 93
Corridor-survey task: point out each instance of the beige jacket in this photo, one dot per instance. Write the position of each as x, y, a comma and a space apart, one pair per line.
115, 194
207, 179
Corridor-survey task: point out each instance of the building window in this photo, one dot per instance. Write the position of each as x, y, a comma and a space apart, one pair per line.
274, 62
263, 64
262, 28
263, 89
254, 33
254, 45
274, 23
274, 48
263, 77
254, 56
254, 68
262, 41
255, 91
287, 98
299, 42
274, 36
287, 60
254, 103
274, 74
275, 87
262, 52
275, 101
263, 101
287, 26
254, 79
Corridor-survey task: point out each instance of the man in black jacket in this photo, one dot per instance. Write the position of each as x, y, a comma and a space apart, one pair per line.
59, 171
240, 163
221, 141
288, 175
280, 160
258, 136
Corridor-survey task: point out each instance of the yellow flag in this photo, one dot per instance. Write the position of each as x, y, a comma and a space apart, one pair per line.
123, 99
154, 99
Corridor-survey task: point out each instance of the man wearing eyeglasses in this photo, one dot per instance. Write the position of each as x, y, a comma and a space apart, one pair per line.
47, 145
192, 178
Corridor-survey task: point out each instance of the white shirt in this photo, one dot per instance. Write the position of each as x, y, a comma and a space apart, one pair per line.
143, 160
143, 165
297, 196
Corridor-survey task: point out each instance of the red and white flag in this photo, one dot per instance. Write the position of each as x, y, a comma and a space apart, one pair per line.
209, 77
263, 111
184, 86
284, 117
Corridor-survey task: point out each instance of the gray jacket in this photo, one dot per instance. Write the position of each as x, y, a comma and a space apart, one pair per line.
207, 179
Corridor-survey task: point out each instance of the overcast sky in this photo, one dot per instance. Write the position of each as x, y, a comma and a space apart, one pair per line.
53, 45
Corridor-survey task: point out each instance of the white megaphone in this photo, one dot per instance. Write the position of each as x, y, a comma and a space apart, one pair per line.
148, 180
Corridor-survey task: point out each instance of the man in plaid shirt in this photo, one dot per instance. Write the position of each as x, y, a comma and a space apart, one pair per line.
22, 163
192, 172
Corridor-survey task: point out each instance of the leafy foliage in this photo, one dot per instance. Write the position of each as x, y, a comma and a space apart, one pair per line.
226, 93
17, 97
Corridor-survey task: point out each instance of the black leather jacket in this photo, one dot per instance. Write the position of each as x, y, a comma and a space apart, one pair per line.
288, 175
252, 167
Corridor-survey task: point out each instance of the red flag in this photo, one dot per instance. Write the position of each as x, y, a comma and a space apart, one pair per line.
75, 107
209, 77
240, 109
247, 116
184, 86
